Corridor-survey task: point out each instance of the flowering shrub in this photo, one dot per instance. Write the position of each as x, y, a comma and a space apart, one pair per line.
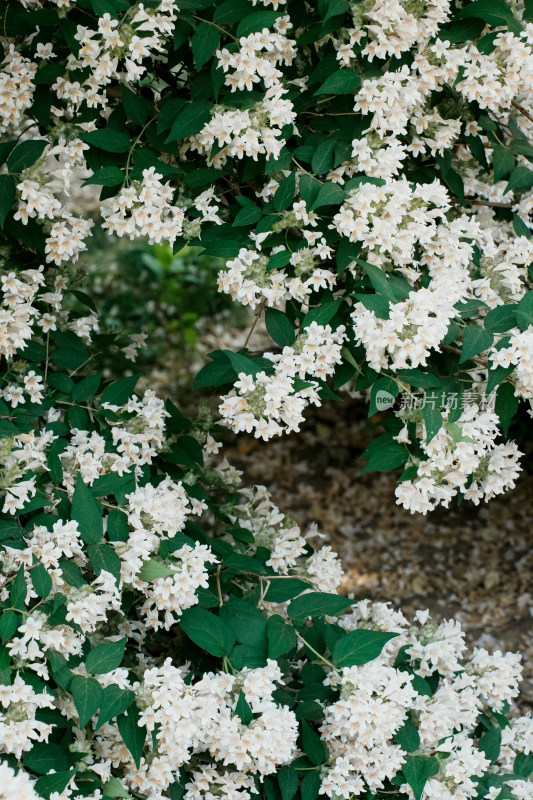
364, 169
167, 633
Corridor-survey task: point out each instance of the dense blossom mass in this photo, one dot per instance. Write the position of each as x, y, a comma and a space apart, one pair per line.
362, 166
364, 170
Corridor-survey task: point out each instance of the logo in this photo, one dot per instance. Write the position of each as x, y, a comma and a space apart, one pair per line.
384, 400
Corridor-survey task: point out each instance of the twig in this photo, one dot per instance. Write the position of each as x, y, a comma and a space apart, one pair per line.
489, 203
256, 318
522, 110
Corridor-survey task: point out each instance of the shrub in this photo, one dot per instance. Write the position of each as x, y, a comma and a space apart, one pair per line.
364, 168
167, 633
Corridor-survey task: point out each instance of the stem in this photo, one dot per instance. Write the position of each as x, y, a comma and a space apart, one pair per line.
219, 590
332, 114
47, 354
304, 170
222, 30
312, 649
489, 203
256, 319
522, 110
134, 145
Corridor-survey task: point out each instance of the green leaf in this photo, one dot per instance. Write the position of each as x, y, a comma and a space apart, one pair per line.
288, 782
521, 179
243, 710
344, 81
314, 604
87, 512
309, 188
523, 765
360, 647
25, 154
106, 176
9, 622
393, 288
56, 782
284, 194
7, 196
232, 11
151, 570
433, 419
117, 526
248, 215
495, 12
187, 450
490, 743
133, 734
520, 227
501, 318
310, 787
104, 558
256, 22
417, 770
418, 378
408, 737
87, 694
502, 161
382, 395
496, 376
246, 620
207, 631
136, 107
506, 405
389, 455
19, 590
323, 157
329, 194
323, 314
282, 589
281, 636
204, 42
475, 340
105, 657
114, 702
524, 311
315, 749
279, 327
190, 120
243, 655
41, 580
108, 139
119, 392
215, 373
114, 788
86, 388
47, 756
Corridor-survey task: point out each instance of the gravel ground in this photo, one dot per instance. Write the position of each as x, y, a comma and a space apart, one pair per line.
471, 563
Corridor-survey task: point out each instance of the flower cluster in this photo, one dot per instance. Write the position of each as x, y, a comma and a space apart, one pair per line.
114, 44
270, 403
16, 88
518, 352
145, 209
290, 552
257, 58
462, 456
240, 133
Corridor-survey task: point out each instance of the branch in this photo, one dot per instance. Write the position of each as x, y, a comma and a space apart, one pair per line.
254, 323
522, 110
489, 203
